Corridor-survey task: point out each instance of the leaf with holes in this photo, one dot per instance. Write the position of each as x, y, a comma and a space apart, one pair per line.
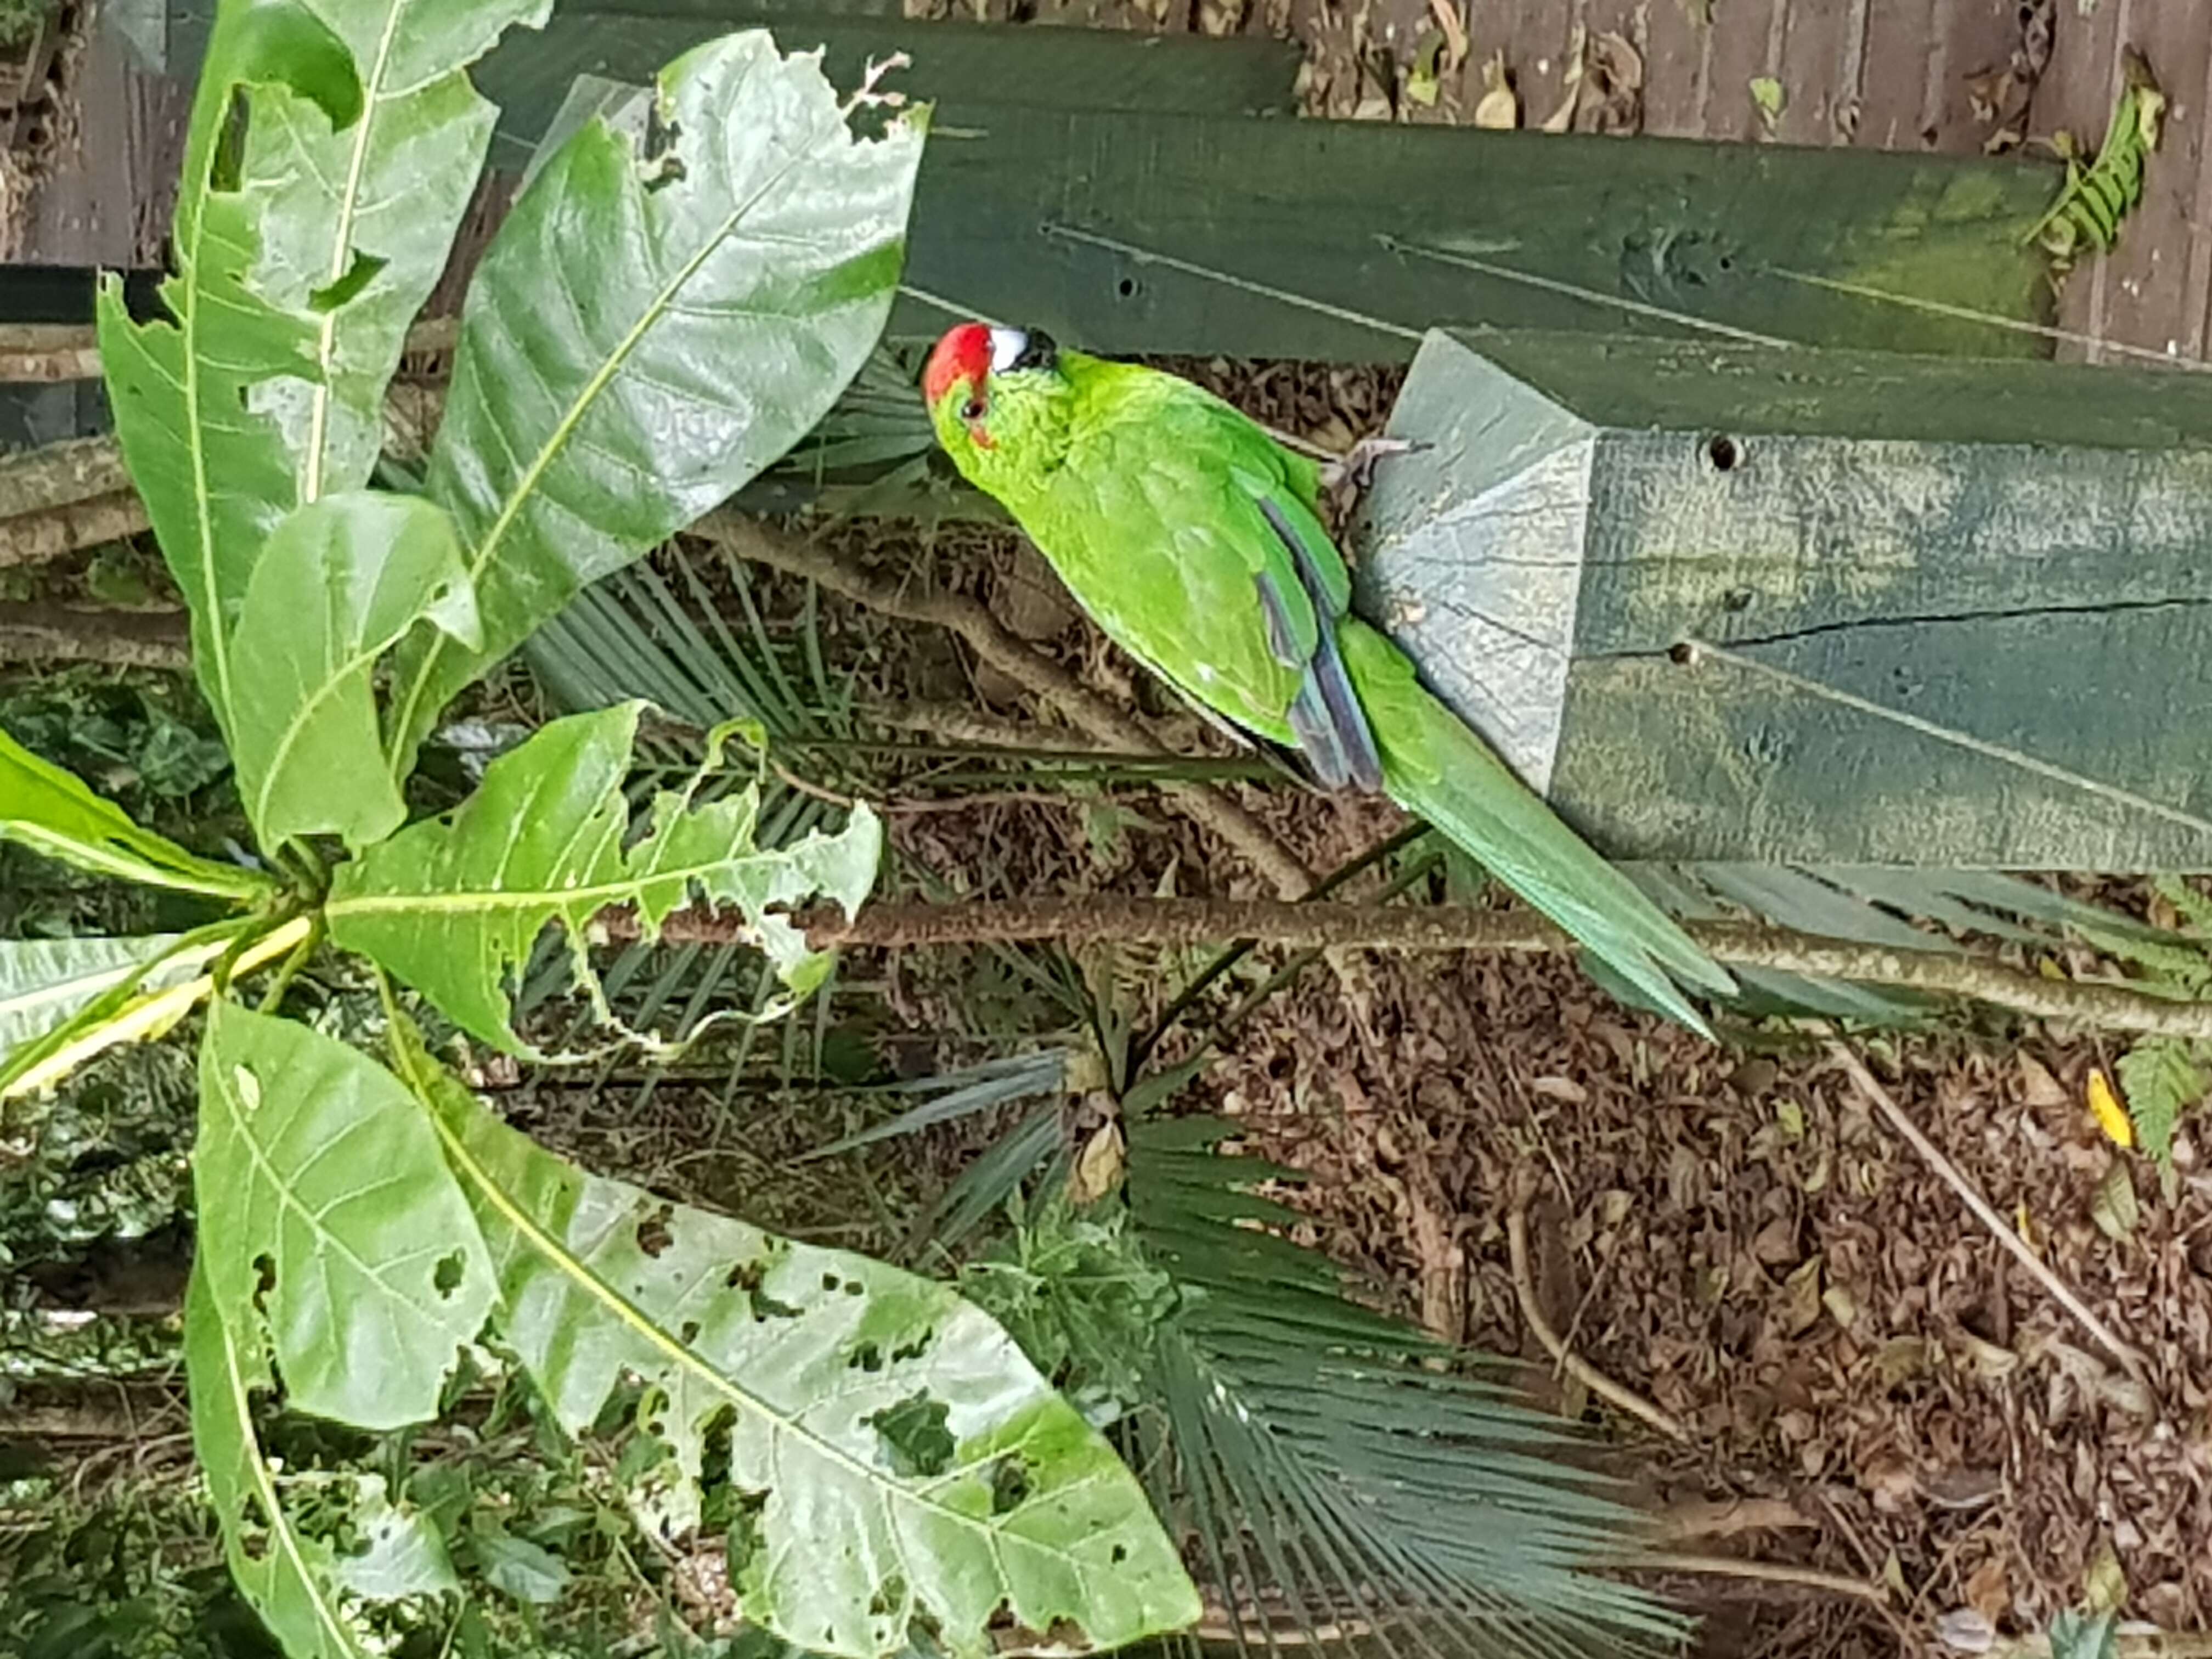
737, 279
882, 1458
48, 811
324, 1202
454, 905
345, 578
304, 247
288, 1577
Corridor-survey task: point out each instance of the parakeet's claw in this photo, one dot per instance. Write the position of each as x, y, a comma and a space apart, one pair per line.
1356, 466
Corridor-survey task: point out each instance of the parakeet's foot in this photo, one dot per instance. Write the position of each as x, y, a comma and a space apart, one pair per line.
1356, 466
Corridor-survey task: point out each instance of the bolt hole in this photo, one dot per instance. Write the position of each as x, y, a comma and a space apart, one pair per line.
1127, 288
1725, 454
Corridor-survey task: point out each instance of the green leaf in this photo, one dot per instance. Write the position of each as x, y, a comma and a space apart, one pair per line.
738, 281
402, 1553
303, 251
45, 981
323, 1198
47, 810
288, 1576
888, 1455
2160, 1080
345, 578
529, 1572
454, 905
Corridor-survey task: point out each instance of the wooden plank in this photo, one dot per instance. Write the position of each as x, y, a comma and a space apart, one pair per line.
1727, 603
1817, 70
1677, 46
1742, 50
2147, 299
1029, 215
1899, 89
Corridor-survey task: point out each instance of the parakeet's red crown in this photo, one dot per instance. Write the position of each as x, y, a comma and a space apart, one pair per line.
965, 353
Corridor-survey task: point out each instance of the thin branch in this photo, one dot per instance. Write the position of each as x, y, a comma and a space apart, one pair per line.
1015, 658
1880, 1099
42, 632
36, 538
1766, 1572
1108, 917
1726, 1517
1532, 1310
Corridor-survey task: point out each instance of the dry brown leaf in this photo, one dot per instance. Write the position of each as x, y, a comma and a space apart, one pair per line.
1562, 119
1099, 1167
1801, 1306
2037, 1086
1499, 108
1616, 78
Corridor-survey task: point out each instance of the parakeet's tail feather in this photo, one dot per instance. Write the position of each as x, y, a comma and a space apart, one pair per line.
1436, 766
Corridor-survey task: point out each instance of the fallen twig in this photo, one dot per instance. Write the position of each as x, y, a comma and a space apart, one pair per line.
1726, 1517
1769, 1573
1524, 1287
2130, 1358
1013, 657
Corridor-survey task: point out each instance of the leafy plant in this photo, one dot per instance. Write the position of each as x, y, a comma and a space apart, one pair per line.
881, 1464
2096, 199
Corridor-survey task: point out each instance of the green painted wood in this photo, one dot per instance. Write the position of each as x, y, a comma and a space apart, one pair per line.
1733, 604
960, 67
957, 65
1324, 211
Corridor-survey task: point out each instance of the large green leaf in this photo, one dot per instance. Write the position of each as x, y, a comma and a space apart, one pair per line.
322, 1199
345, 578
47, 810
454, 905
736, 281
893, 1464
289, 1577
303, 251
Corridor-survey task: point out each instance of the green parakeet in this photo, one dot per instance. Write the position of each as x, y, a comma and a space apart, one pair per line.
1194, 541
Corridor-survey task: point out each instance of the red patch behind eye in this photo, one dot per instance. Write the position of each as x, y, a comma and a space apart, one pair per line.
965, 353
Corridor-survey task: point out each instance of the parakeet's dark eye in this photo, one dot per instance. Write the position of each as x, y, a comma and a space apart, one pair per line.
972, 409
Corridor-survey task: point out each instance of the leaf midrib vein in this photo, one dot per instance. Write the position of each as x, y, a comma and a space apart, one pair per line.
557, 439
581, 1274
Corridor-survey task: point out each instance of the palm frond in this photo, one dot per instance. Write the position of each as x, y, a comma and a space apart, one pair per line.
1898, 909
1343, 1471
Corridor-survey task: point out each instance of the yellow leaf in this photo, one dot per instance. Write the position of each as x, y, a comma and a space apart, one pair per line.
2111, 1117
1099, 1167
1500, 107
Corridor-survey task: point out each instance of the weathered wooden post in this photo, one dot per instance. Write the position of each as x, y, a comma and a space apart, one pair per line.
1724, 602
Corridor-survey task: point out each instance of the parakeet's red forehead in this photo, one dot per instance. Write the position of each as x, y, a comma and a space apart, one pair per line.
964, 354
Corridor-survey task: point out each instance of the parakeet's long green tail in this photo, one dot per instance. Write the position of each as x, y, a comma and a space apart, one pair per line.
1434, 766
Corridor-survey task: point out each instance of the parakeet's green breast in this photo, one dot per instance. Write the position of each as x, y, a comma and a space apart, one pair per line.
1142, 490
